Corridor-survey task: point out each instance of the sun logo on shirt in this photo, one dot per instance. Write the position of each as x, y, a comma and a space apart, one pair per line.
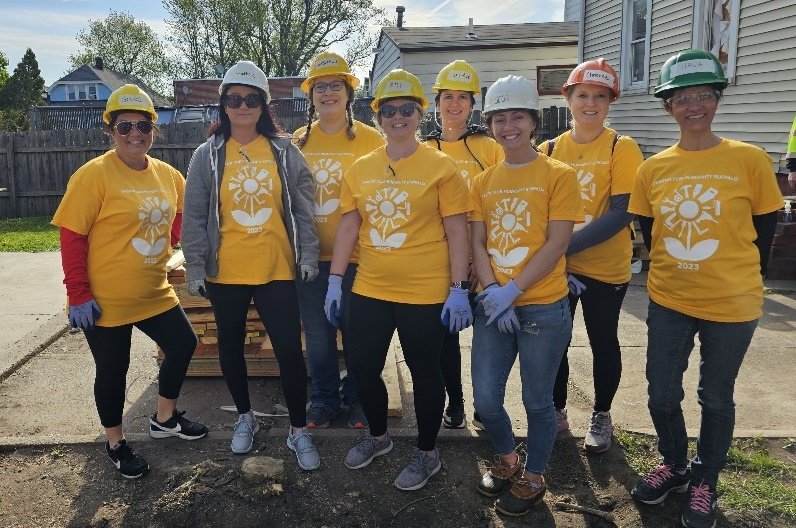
387, 211
155, 216
688, 214
250, 188
508, 220
327, 173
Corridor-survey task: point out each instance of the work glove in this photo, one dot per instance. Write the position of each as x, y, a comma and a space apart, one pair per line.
575, 286
508, 322
308, 273
333, 305
196, 288
497, 299
84, 315
456, 312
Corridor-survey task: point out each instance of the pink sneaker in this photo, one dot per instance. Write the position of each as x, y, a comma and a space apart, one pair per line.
561, 420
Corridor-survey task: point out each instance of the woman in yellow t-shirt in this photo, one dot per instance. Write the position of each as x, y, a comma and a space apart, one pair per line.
473, 151
599, 252
248, 234
407, 208
119, 218
707, 208
524, 211
331, 142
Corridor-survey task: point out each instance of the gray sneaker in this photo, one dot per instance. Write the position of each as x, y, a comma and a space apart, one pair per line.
366, 450
421, 467
243, 437
598, 439
306, 454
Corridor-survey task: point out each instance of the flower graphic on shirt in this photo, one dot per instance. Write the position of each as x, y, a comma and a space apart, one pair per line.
250, 187
155, 216
387, 211
588, 190
327, 173
688, 214
508, 220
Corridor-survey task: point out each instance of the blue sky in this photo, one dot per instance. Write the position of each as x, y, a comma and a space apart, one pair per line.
49, 27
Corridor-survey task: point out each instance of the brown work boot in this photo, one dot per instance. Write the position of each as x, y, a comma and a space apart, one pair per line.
521, 497
499, 476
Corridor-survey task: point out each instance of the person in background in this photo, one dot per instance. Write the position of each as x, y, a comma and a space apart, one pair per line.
473, 151
707, 208
525, 209
407, 207
792, 156
600, 250
118, 220
331, 142
248, 235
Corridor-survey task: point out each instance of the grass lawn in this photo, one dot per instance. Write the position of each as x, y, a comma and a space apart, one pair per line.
28, 235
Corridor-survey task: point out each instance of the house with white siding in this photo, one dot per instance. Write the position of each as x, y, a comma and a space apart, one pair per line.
754, 39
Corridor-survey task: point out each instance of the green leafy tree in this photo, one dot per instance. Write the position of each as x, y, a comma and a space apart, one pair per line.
3, 70
126, 46
23, 89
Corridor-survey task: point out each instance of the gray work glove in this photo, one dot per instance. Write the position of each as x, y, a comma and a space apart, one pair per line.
196, 288
84, 315
575, 286
308, 273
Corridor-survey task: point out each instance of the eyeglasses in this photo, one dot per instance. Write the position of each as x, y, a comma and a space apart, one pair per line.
321, 87
253, 100
125, 127
406, 109
689, 99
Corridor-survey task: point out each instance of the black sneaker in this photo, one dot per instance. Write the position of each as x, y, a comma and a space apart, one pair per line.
177, 425
658, 483
477, 422
701, 509
126, 461
453, 417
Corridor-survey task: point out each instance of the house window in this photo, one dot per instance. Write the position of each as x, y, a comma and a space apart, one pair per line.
716, 30
634, 72
81, 92
550, 79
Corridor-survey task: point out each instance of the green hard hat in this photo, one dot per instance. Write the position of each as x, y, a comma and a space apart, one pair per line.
690, 68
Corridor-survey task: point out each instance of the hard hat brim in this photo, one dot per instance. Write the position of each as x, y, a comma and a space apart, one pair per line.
351, 80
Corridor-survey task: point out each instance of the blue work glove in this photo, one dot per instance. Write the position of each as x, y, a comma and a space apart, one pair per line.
575, 286
456, 312
498, 299
308, 273
84, 315
196, 288
508, 322
333, 305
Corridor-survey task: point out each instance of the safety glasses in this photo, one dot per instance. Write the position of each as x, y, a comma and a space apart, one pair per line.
684, 100
406, 109
125, 127
321, 87
234, 100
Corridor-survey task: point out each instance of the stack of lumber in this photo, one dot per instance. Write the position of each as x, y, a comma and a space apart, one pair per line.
782, 260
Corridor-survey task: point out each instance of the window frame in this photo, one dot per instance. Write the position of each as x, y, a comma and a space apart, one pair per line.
701, 10
551, 67
626, 55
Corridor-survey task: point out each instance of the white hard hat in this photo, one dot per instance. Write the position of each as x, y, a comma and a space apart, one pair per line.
246, 72
511, 93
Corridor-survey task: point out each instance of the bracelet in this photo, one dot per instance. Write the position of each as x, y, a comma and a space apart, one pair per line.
336, 275
492, 284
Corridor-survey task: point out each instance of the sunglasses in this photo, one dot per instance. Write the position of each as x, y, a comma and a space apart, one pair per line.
406, 109
321, 87
125, 127
234, 100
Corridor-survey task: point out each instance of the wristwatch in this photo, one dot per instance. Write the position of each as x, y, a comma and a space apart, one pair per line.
465, 285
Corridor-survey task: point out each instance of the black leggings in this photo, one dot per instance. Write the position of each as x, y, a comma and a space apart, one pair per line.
450, 361
110, 347
371, 326
602, 303
277, 305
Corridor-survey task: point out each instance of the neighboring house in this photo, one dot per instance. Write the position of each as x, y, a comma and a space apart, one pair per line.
754, 39
191, 92
544, 53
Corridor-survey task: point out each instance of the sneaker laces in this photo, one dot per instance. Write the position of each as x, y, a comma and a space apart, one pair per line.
701, 498
244, 420
600, 424
658, 476
302, 441
123, 451
416, 463
180, 420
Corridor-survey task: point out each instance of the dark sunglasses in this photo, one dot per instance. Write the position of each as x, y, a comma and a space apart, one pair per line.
234, 100
125, 127
406, 109
321, 87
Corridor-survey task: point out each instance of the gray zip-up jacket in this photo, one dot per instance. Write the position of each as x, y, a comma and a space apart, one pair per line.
200, 215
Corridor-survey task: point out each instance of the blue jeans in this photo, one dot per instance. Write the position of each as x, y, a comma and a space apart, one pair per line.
545, 331
321, 340
670, 336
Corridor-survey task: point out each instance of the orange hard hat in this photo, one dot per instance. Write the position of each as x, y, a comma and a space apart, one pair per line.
596, 72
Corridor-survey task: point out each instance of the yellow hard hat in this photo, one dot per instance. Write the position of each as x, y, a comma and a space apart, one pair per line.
458, 75
399, 83
129, 97
329, 63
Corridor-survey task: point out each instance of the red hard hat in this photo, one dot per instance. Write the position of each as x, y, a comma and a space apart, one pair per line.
596, 72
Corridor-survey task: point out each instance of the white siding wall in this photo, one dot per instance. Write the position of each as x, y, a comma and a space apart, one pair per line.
386, 61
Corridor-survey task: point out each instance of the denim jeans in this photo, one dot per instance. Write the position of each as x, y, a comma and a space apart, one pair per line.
670, 336
321, 339
545, 331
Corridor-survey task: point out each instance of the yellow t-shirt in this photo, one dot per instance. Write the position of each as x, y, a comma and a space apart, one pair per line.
601, 176
127, 215
403, 253
484, 148
703, 259
329, 157
255, 248
516, 204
